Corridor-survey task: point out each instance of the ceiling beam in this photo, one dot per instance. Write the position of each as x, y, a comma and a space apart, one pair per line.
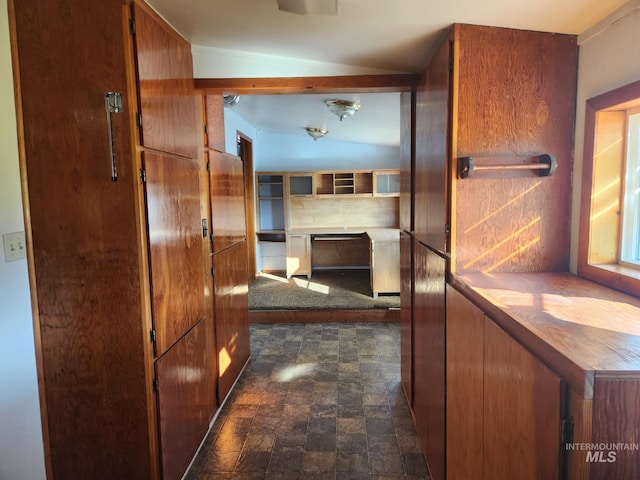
298, 85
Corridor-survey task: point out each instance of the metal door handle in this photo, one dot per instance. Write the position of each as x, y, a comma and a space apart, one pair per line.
112, 104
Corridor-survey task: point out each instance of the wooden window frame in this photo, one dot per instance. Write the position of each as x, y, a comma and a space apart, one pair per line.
609, 109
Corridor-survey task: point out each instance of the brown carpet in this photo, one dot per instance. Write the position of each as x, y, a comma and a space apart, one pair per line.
326, 289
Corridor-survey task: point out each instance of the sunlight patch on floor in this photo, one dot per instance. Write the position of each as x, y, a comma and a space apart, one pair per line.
314, 287
292, 372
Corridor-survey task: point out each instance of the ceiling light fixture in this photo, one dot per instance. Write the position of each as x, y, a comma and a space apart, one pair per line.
316, 133
343, 108
309, 7
231, 100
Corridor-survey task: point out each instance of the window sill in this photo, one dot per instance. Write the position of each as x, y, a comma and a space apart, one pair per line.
619, 277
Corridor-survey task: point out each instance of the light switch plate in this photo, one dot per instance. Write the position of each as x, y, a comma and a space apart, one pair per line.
15, 246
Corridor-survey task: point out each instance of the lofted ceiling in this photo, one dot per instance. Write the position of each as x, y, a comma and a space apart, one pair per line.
394, 36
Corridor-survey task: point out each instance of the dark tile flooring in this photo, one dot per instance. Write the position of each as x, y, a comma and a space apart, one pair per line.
317, 401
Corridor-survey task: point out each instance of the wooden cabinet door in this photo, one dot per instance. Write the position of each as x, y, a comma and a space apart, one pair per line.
465, 387
298, 255
385, 267
432, 152
406, 316
184, 395
231, 302
165, 85
227, 200
522, 403
429, 355
175, 246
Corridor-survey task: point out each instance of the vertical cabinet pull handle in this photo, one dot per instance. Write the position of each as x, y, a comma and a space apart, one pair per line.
112, 104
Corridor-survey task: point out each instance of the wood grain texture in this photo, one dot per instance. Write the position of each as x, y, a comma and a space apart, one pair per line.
83, 246
385, 266
406, 315
431, 151
296, 85
581, 410
429, 356
616, 417
165, 83
227, 200
231, 297
578, 327
521, 411
465, 387
184, 392
343, 211
407, 159
175, 246
214, 107
516, 96
298, 249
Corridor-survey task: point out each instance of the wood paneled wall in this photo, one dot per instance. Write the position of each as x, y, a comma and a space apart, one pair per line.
310, 212
514, 99
87, 280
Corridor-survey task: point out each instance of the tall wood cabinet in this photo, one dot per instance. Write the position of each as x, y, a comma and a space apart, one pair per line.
114, 177
501, 98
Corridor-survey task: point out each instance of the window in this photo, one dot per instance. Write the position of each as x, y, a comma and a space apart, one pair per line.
630, 237
609, 247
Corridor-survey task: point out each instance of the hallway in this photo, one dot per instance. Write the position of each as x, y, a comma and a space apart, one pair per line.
316, 401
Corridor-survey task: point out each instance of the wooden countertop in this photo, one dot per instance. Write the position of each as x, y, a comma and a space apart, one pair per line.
580, 329
376, 234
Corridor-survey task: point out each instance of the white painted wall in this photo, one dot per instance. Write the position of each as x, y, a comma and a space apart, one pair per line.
609, 58
233, 124
211, 62
21, 449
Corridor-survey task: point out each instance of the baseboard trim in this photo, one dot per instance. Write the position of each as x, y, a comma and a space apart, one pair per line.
323, 316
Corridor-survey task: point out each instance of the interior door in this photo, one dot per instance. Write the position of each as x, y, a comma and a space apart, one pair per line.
175, 245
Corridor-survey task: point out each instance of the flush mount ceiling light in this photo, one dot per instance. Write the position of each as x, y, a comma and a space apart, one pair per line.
231, 100
309, 7
316, 133
342, 108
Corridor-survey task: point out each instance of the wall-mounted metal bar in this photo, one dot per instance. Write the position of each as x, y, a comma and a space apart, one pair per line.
545, 165
112, 104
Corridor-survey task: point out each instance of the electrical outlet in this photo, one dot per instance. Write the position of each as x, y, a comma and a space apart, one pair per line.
15, 246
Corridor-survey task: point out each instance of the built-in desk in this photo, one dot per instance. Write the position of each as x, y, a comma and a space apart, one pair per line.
384, 252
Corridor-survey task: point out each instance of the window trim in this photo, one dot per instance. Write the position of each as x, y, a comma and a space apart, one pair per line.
614, 275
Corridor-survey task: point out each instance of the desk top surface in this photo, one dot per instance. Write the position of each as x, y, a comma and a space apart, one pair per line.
376, 234
579, 328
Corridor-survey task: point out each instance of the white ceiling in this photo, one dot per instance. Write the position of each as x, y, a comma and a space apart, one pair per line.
398, 36
377, 122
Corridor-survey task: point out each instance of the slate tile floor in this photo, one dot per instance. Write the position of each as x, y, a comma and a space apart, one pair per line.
317, 401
